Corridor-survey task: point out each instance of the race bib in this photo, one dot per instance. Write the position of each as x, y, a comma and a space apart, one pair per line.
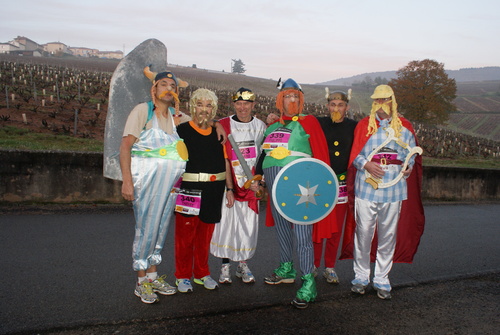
386, 155
188, 202
342, 188
248, 151
278, 138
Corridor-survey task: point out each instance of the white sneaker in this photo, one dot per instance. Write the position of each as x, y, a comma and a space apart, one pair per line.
208, 282
244, 273
184, 285
331, 276
161, 286
145, 292
225, 276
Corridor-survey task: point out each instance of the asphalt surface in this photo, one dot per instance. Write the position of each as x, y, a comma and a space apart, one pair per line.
67, 269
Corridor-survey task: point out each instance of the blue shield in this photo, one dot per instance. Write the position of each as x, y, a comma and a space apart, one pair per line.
305, 191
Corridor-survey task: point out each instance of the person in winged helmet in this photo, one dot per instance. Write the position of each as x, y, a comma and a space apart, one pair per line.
294, 136
152, 158
339, 133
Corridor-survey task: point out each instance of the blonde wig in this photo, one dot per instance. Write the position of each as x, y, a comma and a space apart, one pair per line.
203, 94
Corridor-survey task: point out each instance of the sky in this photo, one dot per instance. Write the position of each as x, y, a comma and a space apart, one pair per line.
310, 41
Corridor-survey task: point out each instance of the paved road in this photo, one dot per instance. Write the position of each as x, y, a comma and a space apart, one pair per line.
71, 267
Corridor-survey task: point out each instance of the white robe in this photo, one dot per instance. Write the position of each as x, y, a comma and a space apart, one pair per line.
235, 237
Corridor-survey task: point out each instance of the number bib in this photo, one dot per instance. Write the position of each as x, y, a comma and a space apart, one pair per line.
387, 155
342, 188
248, 151
342, 193
278, 138
188, 202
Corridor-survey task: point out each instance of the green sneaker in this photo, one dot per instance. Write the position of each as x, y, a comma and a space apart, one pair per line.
284, 274
307, 293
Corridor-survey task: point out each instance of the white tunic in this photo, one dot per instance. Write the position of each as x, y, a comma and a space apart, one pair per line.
235, 237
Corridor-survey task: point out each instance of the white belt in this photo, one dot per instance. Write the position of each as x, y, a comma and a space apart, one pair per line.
203, 177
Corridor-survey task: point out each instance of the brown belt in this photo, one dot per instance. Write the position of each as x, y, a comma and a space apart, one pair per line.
383, 161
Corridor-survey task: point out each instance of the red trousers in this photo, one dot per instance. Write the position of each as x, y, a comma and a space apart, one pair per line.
192, 243
332, 243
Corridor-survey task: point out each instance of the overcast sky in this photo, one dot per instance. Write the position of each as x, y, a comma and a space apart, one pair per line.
311, 41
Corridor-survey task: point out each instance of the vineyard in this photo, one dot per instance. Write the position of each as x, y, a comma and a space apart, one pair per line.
70, 97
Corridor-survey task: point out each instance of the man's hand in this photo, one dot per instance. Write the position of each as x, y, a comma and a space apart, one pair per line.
407, 172
230, 199
128, 191
221, 133
374, 169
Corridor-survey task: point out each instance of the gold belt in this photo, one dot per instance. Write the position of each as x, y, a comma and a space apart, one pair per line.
203, 177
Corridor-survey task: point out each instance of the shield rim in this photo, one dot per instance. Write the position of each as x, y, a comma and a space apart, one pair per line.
278, 176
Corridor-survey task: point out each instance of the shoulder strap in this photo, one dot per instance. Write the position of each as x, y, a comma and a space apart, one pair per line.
151, 107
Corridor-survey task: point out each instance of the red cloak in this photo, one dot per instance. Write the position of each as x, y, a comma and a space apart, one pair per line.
412, 219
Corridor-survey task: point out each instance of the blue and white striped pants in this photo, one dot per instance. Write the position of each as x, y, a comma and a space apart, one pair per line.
285, 231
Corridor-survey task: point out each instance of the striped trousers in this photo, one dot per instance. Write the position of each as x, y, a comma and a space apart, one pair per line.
287, 231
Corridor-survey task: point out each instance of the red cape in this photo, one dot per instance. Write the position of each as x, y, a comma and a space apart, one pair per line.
240, 193
319, 149
412, 219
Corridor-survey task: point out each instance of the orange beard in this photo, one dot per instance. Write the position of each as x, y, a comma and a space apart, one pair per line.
293, 108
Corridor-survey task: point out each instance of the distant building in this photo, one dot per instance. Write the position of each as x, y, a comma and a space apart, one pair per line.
84, 52
56, 48
111, 54
26, 44
8, 47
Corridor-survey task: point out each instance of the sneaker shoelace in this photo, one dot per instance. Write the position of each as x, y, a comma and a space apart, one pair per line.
147, 287
161, 280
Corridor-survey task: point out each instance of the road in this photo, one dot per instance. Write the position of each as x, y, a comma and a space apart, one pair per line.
67, 269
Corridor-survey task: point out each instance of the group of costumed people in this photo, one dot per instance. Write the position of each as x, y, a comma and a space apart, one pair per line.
212, 175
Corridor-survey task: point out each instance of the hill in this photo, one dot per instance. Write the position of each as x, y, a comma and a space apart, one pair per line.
69, 84
461, 76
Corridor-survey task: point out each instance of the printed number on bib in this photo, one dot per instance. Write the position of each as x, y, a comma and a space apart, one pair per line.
188, 202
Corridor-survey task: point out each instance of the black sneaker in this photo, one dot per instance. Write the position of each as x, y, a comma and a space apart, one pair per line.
274, 279
299, 303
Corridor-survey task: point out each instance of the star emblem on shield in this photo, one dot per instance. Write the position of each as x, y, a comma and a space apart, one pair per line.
305, 191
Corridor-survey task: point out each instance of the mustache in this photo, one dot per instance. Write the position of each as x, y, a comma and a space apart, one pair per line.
385, 107
172, 93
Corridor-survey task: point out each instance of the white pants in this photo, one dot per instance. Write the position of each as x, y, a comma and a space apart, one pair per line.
383, 217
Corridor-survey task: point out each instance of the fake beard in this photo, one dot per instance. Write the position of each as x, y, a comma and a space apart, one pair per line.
293, 108
202, 120
386, 107
335, 116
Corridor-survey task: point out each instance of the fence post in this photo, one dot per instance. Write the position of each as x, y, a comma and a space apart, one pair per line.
7, 96
76, 122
